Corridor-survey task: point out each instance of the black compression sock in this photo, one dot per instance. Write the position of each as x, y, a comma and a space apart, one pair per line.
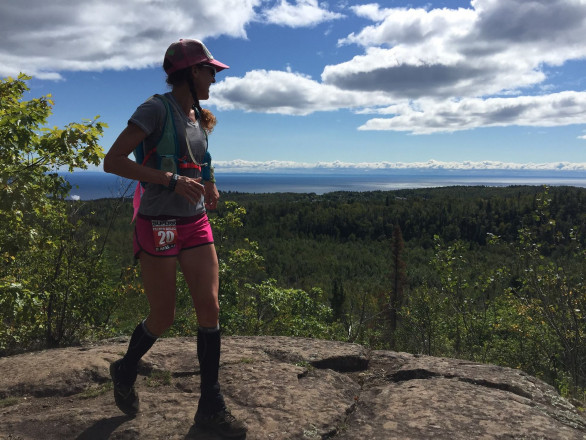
208, 354
140, 342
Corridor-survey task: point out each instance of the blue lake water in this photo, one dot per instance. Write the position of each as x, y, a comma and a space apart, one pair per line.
97, 185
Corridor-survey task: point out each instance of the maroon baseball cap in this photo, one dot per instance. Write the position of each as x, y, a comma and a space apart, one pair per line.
185, 53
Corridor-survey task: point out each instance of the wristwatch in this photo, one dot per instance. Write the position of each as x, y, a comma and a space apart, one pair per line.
173, 182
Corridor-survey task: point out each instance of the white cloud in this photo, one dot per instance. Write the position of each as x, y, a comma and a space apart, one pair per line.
411, 27
259, 166
437, 70
406, 73
302, 13
497, 47
420, 70
371, 11
44, 38
445, 60
564, 108
286, 93
296, 94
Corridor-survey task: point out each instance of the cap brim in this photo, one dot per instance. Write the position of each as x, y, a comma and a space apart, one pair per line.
218, 65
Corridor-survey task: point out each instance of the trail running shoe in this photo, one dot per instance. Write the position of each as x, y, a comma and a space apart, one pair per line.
222, 423
124, 393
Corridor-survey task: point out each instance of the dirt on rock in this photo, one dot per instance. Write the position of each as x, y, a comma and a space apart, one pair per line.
282, 388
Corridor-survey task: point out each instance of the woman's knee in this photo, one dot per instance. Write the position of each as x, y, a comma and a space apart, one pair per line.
210, 308
157, 323
208, 313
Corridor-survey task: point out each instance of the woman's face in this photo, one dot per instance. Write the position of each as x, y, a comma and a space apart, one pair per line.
203, 76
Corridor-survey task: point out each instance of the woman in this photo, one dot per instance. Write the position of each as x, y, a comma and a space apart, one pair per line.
172, 226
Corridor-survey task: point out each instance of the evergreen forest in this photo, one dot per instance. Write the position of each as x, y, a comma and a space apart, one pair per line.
493, 275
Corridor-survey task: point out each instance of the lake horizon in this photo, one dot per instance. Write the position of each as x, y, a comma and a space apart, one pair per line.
90, 185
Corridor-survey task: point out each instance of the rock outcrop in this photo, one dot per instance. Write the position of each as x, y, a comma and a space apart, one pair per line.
283, 388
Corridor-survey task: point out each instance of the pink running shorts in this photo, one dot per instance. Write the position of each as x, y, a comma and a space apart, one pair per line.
166, 237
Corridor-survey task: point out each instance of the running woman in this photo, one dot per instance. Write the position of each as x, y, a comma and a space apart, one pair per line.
172, 226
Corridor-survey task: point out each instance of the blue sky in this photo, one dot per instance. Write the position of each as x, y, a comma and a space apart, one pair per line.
454, 83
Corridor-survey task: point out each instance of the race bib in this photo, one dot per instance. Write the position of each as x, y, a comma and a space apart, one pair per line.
165, 234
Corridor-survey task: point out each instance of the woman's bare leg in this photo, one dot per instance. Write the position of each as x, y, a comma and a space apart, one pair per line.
200, 269
159, 277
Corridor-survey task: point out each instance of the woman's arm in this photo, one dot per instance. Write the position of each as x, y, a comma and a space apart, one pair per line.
118, 162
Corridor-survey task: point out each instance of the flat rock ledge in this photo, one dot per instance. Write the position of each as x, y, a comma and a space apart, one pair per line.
282, 388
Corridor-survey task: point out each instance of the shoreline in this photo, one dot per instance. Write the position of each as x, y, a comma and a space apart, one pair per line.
90, 185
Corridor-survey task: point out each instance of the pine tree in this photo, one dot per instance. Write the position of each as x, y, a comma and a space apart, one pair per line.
338, 299
398, 282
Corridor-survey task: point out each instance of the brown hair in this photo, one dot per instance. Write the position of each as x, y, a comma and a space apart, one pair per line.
207, 120
178, 76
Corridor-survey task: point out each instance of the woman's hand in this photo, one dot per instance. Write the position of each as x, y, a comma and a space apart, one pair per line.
211, 195
191, 189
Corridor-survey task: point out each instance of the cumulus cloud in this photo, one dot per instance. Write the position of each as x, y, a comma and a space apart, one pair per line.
495, 47
564, 108
44, 38
444, 60
419, 70
287, 93
437, 70
301, 13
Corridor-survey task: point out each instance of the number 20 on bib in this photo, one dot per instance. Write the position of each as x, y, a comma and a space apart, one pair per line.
165, 234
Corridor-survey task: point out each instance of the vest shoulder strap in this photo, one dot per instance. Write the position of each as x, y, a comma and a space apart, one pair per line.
166, 150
